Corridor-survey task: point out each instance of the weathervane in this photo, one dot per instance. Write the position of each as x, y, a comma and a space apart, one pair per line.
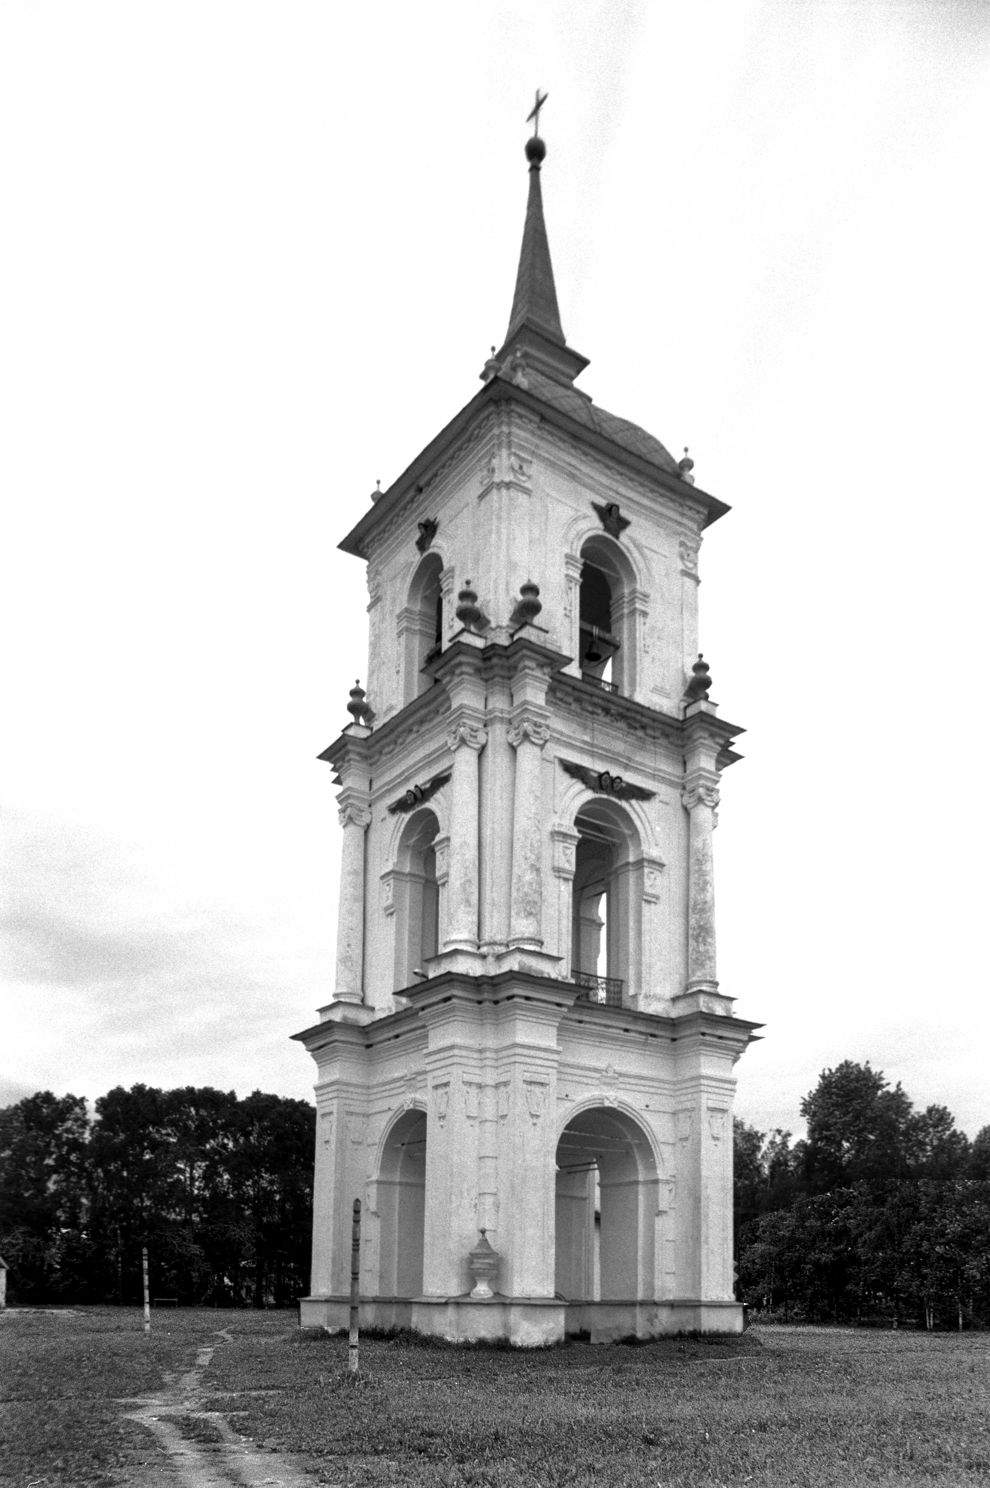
535, 115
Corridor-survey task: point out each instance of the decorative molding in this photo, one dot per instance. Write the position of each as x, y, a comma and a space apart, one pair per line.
441, 1100
379, 537
611, 518
417, 794
533, 729
688, 549
353, 814
470, 734
606, 784
652, 871
717, 1118
683, 1122
472, 1098
503, 1099
666, 1195
564, 840
701, 794
427, 532
326, 1128
536, 1098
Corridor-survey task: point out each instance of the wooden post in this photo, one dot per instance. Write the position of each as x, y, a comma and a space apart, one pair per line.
147, 1304
352, 1337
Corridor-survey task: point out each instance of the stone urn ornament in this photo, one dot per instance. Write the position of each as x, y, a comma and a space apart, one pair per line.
483, 1265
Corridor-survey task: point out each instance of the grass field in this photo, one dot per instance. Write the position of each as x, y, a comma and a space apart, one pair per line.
88, 1399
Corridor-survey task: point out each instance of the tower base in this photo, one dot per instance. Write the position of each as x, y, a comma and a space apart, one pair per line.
526, 1322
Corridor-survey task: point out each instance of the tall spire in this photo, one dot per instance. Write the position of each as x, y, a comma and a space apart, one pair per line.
534, 323
535, 299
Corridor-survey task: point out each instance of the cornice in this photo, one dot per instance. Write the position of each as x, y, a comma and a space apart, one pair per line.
466, 428
573, 694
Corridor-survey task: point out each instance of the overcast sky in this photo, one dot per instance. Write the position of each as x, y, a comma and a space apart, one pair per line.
253, 257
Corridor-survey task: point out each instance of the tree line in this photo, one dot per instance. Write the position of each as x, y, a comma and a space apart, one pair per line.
218, 1189
881, 1211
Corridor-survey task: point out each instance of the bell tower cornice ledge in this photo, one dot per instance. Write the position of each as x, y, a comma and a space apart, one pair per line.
588, 430
349, 753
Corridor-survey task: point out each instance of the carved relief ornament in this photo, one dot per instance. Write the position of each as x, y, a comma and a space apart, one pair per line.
700, 795
418, 793
533, 729
470, 734
353, 814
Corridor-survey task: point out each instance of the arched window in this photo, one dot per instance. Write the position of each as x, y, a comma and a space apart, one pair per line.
607, 628
417, 898
606, 903
421, 626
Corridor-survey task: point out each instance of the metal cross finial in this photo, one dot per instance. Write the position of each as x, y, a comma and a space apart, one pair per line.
535, 115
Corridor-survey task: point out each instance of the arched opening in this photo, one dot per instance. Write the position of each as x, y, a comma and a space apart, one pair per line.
605, 620
606, 1202
402, 1207
417, 897
421, 626
604, 919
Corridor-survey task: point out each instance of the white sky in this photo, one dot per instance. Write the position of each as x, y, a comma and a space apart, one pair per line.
253, 255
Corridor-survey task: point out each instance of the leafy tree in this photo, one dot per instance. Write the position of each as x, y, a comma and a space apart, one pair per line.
858, 1128
979, 1155
935, 1148
42, 1155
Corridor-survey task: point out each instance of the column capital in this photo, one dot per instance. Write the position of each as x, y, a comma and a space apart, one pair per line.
353, 809
528, 727
700, 793
470, 734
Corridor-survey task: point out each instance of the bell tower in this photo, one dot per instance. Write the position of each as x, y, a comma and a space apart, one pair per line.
526, 1036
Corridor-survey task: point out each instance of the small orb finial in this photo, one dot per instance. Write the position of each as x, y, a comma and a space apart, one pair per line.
700, 682
535, 148
467, 611
684, 468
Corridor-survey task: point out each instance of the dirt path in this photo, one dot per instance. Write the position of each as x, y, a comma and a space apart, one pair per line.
223, 1460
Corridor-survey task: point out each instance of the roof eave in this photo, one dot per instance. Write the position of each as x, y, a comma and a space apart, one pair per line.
498, 390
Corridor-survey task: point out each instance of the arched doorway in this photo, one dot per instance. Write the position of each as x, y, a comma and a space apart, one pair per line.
606, 1204
402, 1207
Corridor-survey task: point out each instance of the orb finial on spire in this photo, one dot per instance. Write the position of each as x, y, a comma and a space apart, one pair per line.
535, 147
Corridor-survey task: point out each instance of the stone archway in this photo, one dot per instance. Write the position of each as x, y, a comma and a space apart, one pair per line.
606, 1203
402, 1207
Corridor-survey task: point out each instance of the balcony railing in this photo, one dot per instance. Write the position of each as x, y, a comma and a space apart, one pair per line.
606, 991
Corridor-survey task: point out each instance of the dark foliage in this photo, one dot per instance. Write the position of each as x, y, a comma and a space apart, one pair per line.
882, 1211
218, 1189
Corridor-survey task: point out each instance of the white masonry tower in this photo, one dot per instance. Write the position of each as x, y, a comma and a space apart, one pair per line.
525, 1071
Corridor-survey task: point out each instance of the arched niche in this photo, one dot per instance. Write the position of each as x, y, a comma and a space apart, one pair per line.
607, 1192
401, 1200
420, 625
